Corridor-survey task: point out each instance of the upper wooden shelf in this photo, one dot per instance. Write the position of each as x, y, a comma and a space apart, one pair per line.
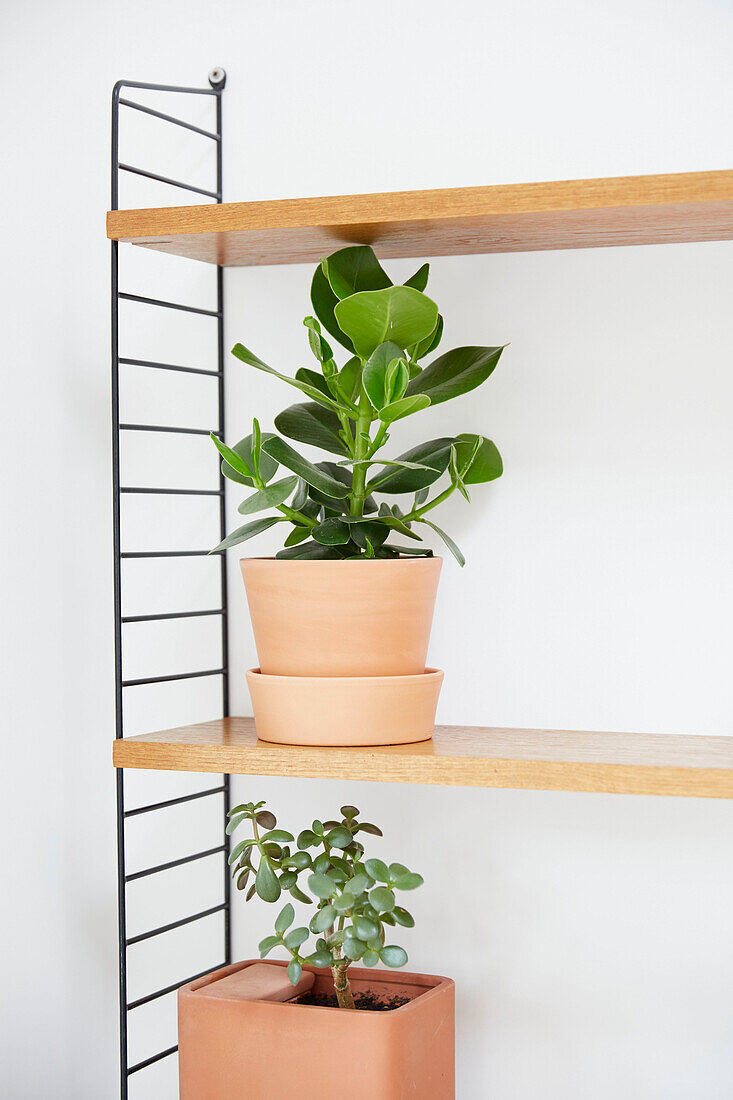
691, 206
469, 756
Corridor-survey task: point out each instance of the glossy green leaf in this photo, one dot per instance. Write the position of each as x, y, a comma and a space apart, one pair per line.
294, 939
370, 958
349, 378
406, 406
368, 532
243, 878
266, 882
321, 863
378, 870
285, 918
243, 450
324, 302
430, 343
349, 812
300, 896
393, 956
269, 497
295, 971
340, 837
315, 393
332, 532
358, 884
455, 372
307, 839
455, 474
238, 464
235, 822
237, 851
248, 531
266, 819
486, 465
322, 886
298, 860
318, 344
298, 534
311, 423
265, 946
344, 901
420, 279
287, 880
397, 313
455, 550
283, 453
403, 917
435, 455
382, 898
397, 870
308, 550
353, 269
324, 918
374, 375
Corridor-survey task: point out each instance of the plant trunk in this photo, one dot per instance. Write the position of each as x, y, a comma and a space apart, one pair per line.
341, 985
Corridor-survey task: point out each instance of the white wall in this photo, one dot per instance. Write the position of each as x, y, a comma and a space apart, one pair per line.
595, 958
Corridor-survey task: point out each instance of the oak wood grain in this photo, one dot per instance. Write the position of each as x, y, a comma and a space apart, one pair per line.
471, 756
624, 210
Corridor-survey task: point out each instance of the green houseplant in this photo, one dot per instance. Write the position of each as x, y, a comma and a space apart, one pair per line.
330, 506
356, 902
342, 615
310, 1029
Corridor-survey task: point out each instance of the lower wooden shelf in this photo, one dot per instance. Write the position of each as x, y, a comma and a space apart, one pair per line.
468, 756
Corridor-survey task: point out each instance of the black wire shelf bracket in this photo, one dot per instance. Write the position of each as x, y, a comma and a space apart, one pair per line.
217, 81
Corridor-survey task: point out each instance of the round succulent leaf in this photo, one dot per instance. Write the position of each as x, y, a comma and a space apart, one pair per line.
307, 839
288, 879
349, 812
388, 918
243, 878
403, 917
344, 902
365, 929
298, 860
321, 885
382, 899
393, 955
397, 870
353, 948
340, 837
239, 848
266, 945
378, 870
410, 881
321, 863
266, 819
298, 894
235, 822
295, 971
320, 958
370, 958
294, 939
266, 882
285, 918
367, 827
359, 883
324, 918
250, 892
277, 836
242, 808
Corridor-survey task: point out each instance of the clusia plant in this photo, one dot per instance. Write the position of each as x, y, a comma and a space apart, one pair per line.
356, 902
331, 507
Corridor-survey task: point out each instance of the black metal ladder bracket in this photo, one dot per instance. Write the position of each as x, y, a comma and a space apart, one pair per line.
217, 82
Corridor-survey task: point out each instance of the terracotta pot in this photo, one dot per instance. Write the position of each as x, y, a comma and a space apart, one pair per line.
344, 710
341, 618
267, 1050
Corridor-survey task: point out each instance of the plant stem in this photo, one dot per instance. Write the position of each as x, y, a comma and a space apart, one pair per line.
416, 513
341, 984
362, 447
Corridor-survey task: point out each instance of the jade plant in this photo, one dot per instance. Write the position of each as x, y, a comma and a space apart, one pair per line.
331, 507
355, 897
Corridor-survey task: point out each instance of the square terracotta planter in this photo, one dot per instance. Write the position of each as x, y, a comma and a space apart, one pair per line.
270, 1050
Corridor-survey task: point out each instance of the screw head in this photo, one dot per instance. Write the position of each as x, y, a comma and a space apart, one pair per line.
217, 77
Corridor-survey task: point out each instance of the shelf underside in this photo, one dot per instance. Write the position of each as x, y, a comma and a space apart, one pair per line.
691, 206
469, 756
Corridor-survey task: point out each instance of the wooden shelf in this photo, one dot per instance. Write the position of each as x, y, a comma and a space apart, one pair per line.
691, 206
469, 756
